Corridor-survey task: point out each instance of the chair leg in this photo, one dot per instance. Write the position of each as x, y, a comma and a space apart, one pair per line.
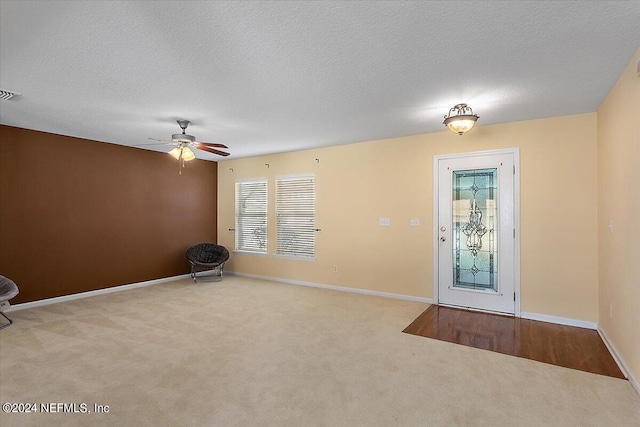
8, 324
193, 273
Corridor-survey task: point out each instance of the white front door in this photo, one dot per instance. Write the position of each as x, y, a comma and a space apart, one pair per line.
476, 231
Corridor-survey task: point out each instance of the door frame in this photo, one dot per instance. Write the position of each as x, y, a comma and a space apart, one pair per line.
516, 220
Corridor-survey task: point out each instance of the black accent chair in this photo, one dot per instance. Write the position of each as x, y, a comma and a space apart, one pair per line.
207, 256
8, 290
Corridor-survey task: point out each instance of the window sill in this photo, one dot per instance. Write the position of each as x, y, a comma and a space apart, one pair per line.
296, 257
250, 253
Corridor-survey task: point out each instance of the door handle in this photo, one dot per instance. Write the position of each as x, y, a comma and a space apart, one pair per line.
442, 239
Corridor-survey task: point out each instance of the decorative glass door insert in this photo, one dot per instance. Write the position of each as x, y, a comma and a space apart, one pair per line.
474, 229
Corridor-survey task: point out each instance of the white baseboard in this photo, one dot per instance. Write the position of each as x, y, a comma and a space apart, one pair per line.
559, 320
619, 360
87, 294
333, 288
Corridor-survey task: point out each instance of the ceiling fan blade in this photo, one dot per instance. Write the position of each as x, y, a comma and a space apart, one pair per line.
213, 144
199, 146
156, 143
161, 140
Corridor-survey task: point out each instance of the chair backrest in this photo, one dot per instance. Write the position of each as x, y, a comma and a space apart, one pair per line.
207, 253
8, 289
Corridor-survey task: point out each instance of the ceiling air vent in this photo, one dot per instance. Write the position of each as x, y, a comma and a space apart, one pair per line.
7, 94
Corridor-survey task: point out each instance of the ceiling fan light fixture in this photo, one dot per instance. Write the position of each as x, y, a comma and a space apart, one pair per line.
460, 119
187, 154
175, 153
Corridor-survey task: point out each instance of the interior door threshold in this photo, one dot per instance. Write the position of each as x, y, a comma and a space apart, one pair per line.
480, 310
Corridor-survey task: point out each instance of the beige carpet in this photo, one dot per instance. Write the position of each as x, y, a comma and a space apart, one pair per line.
251, 353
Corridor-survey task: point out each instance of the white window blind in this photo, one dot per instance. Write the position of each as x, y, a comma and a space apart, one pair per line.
251, 215
296, 215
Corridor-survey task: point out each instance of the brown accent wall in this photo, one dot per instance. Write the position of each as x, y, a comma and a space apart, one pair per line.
79, 215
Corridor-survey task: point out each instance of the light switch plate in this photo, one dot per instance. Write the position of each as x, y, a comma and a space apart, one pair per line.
384, 222
415, 222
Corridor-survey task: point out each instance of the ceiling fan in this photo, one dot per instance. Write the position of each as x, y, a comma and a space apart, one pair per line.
184, 142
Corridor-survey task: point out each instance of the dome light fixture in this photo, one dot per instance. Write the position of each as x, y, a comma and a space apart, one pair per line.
460, 119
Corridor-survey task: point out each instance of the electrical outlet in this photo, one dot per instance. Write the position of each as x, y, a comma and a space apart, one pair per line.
384, 222
335, 268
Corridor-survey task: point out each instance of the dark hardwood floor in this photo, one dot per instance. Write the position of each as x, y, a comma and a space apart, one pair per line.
568, 346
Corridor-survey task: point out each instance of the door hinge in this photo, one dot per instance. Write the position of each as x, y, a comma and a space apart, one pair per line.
514, 233
514, 296
514, 169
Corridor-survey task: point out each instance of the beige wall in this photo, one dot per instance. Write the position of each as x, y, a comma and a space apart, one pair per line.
358, 183
619, 201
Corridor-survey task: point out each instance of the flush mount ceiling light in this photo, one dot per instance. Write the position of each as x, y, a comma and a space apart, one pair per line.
460, 119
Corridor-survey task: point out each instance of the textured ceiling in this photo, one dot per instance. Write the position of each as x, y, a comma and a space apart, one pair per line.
266, 77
